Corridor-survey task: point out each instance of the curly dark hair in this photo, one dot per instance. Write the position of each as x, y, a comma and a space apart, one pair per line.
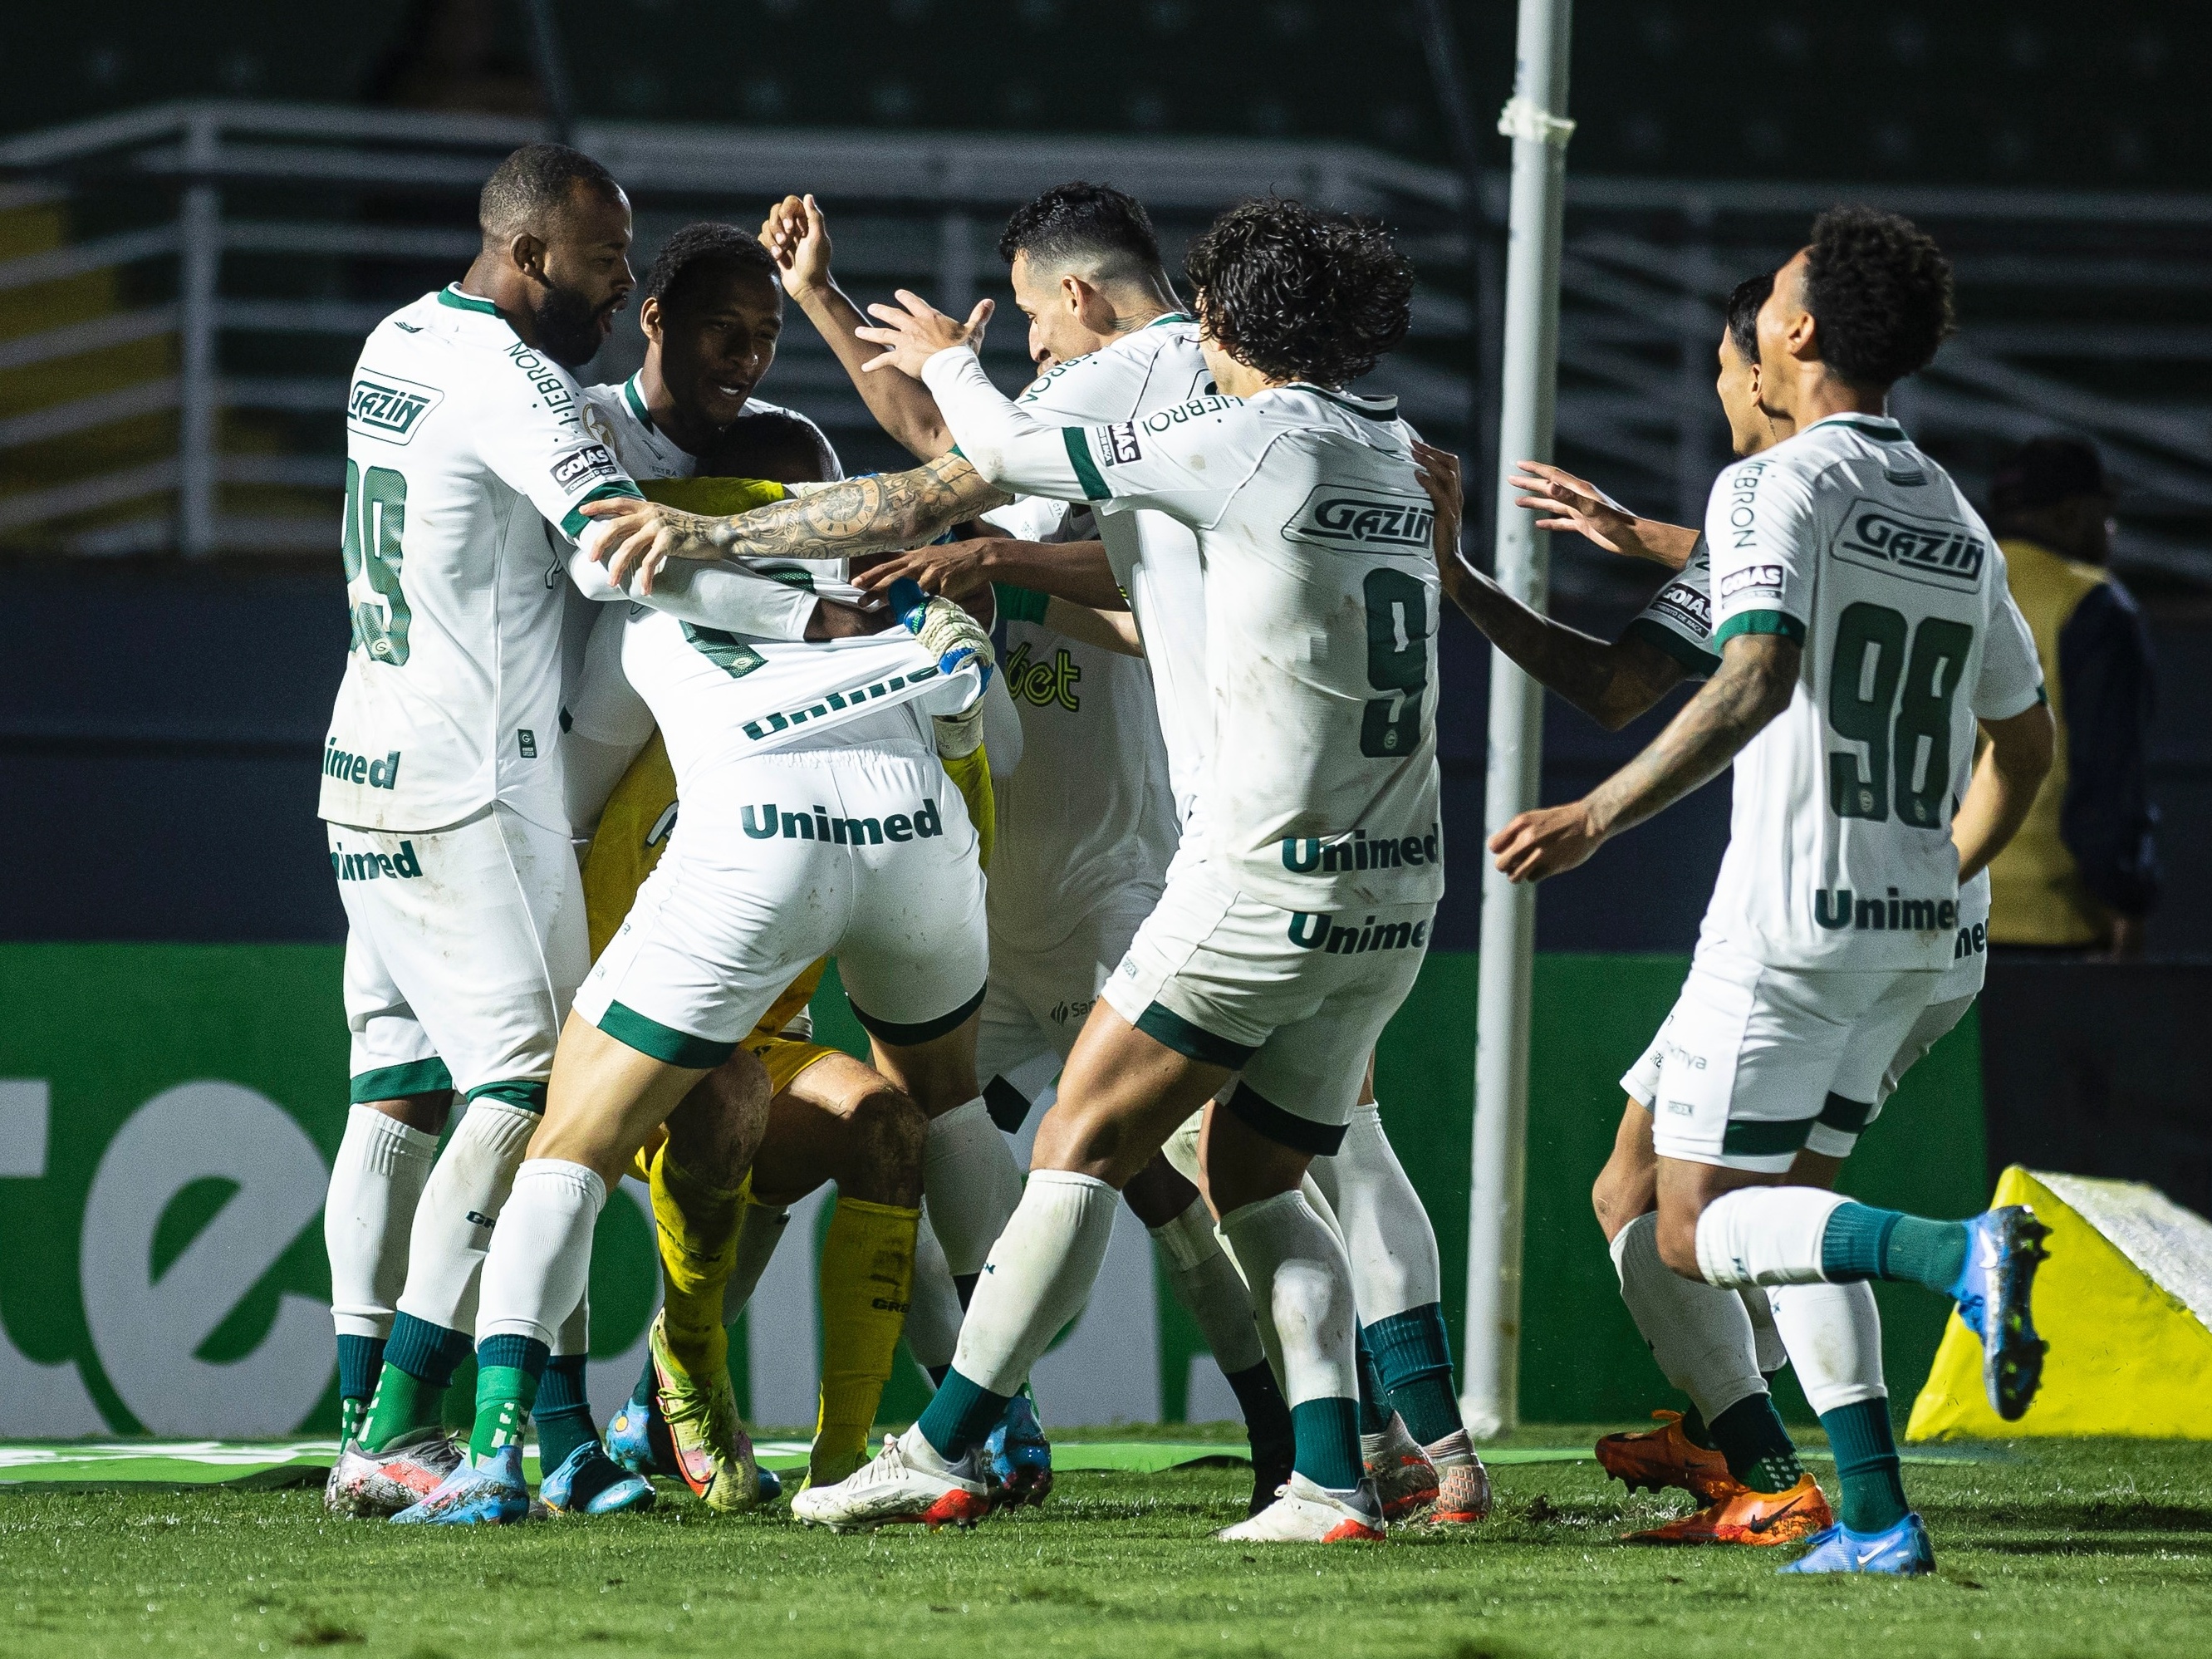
1301, 295
1879, 292
1744, 300
700, 250
1096, 224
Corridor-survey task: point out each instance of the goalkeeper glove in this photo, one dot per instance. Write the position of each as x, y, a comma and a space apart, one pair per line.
954, 637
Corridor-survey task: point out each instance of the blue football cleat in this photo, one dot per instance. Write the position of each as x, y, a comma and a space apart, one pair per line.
2004, 1247
492, 1493
1017, 1458
637, 1437
1902, 1551
589, 1482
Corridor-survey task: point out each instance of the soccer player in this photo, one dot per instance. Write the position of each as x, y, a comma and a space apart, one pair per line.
1864, 630
1321, 793
468, 465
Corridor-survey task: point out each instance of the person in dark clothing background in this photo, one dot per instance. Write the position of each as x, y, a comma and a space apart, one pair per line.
2083, 874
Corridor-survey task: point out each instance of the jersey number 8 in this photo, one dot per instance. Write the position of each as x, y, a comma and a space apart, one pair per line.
1898, 705
375, 522
1397, 662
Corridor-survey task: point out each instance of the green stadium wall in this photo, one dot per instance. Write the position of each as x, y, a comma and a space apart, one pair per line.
136, 1296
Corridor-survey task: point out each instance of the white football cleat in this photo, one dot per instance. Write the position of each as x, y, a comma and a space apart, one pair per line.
1404, 1479
1303, 1513
903, 1483
372, 1485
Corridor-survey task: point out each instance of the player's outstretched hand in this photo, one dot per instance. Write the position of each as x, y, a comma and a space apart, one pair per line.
1439, 471
797, 237
641, 536
913, 330
1547, 841
958, 570
1570, 503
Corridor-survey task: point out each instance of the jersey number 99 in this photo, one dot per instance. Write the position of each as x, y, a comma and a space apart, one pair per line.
375, 523
1397, 662
1897, 704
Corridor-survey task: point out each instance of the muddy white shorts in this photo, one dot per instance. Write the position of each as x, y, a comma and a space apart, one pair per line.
463, 947
862, 852
1294, 1001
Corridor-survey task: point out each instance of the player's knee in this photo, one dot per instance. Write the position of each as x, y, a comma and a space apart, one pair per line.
1678, 1242
887, 1135
1618, 1196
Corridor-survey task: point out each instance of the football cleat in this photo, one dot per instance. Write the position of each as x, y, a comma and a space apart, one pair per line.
490, 1493
1303, 1513
636, 1436
589, 1482
1652, 1460
1902, 1550
1749, 1517
1017, 1458
1405, 1480
902, 1483
372, 1485
713, 1454
1462, 1488
1995, 1291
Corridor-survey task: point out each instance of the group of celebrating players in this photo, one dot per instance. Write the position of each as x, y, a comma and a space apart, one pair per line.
1153, 644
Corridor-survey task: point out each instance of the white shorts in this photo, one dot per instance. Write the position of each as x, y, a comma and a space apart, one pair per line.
1037, 1000
1295, 1002
862, 852
463, 947
1754, 1057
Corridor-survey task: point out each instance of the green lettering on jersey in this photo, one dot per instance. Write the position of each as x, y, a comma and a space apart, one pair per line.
1895, 702
375, 525
1397, 634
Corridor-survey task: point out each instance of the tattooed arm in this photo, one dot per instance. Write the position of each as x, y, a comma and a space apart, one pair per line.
1758, 677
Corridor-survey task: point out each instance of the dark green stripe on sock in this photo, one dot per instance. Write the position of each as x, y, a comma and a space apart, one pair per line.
1328, 1431
1413, 1355
962, 1412
1873, 1498
563, 1411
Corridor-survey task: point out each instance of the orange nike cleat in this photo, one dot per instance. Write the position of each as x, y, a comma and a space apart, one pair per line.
1654, 1459
1749, 1517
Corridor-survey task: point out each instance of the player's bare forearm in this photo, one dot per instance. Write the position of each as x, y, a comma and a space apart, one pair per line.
2010, 771
901, 404
865, 516
1612, 683
1075, 571
1757, 675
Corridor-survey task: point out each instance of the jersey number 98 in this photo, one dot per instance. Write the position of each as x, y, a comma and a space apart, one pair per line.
375, 522
1397, 662
1897, 704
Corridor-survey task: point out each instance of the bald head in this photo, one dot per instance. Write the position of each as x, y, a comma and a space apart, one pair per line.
537, 187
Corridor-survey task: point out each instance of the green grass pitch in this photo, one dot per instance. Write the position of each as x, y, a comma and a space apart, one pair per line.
2081, 1548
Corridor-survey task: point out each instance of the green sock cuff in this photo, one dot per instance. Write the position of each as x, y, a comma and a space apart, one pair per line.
1867, 1466
1328, 1452
962, 1412
1750, 1435
1413, 1357
1851, 1244
1930, 1254
401, 1404
505, 1395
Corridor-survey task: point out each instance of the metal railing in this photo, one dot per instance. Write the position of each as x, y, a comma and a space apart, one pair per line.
264, 240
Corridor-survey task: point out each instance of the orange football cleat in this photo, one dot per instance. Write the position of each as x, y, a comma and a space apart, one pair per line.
1749, 1517
1654, 1459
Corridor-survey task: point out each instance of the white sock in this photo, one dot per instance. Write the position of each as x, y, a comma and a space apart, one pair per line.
1700, 1336
1387, 1235
1040, 1274
376, 1182
1207, 1283
933, 1309
1766, 1341
760, 1230
574, 1336
1834, 1333
453, 1222
540, 1262
1180, 1149
1765, 1235
972, 1182
1302, 1287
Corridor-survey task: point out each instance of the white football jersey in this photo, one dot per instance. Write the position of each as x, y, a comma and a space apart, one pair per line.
1849, 540
1320, 791
1154, 555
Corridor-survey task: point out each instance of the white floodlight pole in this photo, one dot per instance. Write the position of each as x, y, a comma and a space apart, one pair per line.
1529, 378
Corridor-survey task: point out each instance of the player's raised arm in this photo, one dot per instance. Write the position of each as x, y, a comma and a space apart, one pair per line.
797, 235
1569, 503
1613, 682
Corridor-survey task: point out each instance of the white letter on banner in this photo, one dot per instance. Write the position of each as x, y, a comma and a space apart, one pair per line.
146, 1329
40, 1402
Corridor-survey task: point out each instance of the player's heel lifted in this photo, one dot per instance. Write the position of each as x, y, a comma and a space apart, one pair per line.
1995, 1293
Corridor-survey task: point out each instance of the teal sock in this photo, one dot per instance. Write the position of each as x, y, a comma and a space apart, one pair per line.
410, 1390
1873, 1498
563, 1412
507, 1371
961, 1413
1750, 1435
1327, 1453
1864, 1243
1374, 1415
1413, 1356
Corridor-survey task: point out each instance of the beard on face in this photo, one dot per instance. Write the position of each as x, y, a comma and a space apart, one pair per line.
568, 327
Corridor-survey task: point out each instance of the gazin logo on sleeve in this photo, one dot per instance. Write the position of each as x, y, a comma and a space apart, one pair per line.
387, 407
